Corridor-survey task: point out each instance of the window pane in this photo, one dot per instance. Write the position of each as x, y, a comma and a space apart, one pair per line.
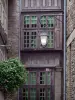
33, 94
48, 78
50, 39
42, 77
26, 39
33, 39
27, 20
25, 94
50, 21
27, 79
34, 21
33, 78
42, 94
43, 21
48, 95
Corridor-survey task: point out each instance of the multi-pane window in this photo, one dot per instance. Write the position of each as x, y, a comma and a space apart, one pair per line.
33, 39
40, 86
50, 43
30, 39
25, 94
48, 94
33, 78
33, 94
26, 39
43, 21
26, 21
34, 21
50, 21
48, 78
42, 77
42, 94
34, 25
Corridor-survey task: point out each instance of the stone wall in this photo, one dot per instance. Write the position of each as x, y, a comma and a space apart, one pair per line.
13, 27
70, 16
58, 85
70, 69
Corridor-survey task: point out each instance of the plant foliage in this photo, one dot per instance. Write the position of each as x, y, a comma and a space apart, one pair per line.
12, 74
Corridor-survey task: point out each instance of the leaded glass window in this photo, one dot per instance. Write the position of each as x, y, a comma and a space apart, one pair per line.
43, 21
50, 43
30, 39
34, 21
50, 21
42, 94
48, 94
42, 77
26, 39
25, 94
48, 78
26, 21
33, 78
33, 39
32, 94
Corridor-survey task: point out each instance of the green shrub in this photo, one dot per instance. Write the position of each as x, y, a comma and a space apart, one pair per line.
12, 75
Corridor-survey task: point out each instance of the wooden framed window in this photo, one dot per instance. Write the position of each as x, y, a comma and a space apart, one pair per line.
26, 21
34, 21
51, 21
33, 94
42, 78
34, 25
26, 40
43, 91
48, 78
33, 40
42, 94
48, 94
32, 78
43, 21
50, 43
30, 39
25, 93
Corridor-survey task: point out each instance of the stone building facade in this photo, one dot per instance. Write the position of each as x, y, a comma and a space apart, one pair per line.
3, 28
70, 69
9, 30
